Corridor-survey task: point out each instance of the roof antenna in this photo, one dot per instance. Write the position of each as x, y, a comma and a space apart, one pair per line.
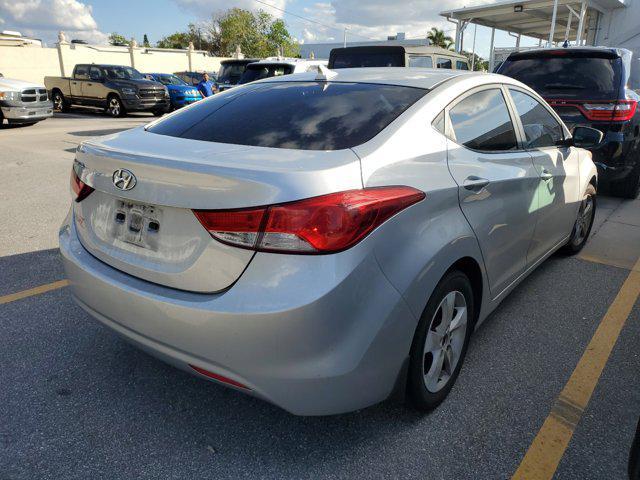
324, 74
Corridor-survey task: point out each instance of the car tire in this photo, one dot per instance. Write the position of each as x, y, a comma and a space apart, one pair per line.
628, 187
584, 222
59, 102
440, 342
158, 113
115, 108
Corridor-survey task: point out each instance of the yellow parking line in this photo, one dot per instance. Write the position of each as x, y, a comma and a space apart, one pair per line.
33, 291
547, 449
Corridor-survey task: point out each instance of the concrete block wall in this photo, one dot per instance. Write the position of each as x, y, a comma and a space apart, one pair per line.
34, 63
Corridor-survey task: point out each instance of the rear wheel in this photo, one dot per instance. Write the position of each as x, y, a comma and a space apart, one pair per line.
440, 342
584, 222
628, 187
59, 102
115, 108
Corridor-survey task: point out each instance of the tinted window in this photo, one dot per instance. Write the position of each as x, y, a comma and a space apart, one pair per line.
121, 73
169, 80
425, 62
356, 59
462, 65
568, 77
82, 71
258, 71
541, 129
444, 63
231, 72
94, 73
482, 122
299, 115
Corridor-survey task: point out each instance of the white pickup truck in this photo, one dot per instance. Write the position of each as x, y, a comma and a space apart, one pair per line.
23, 102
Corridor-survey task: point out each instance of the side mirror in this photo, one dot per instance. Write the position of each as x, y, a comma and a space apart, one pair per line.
586, 137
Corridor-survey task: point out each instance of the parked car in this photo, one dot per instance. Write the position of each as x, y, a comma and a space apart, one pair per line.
118, 89
180, 93
397, 56
338, 240
194, 78
634, 456
277, 67
588, 86
23, 102
231, 71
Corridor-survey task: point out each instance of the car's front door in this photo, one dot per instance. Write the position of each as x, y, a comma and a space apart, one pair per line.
94, 90
80, 75
497, 181
558, 167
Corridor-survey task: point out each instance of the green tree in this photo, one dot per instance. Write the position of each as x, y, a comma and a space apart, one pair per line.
117, 39
145, 41
175, 40
480, 64
438, 38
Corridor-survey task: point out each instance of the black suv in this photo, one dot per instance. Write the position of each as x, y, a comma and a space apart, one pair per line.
588, 86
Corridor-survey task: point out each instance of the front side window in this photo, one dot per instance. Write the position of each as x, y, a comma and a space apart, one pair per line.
444, 63
424, 62
541, 129
297, 115
82, 71
482, 122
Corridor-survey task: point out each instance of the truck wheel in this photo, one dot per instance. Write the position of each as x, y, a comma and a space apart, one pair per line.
158, 113
628, 187
115, 108
59, 102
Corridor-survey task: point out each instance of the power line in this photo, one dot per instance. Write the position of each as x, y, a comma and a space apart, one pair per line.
332, 27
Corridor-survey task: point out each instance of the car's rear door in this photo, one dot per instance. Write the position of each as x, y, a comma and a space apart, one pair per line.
558, 188
497, 181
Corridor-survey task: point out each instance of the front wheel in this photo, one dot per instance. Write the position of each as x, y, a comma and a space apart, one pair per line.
115, 108
584, 222
59, 102
440, 342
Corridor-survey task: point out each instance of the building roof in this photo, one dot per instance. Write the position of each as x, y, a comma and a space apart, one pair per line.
409, 77
533, 17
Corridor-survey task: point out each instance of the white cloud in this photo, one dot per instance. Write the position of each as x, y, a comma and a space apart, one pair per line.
44, 18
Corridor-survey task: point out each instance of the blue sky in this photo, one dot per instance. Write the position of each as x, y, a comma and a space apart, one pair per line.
93, 20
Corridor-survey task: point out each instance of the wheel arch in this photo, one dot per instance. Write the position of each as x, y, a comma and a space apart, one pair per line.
471, 268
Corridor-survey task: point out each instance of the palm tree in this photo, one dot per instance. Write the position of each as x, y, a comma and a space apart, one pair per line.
437, 38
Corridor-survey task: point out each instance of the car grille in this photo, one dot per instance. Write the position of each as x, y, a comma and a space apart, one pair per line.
34, 95
151, 93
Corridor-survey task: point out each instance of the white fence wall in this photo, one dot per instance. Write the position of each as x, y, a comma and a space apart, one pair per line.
34, 63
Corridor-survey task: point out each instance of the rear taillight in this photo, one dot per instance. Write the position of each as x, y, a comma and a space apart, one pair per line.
81, 189
614, 111
325, 224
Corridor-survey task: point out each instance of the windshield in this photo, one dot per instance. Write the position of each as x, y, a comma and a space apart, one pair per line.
356, 59
231, 72
169, 80
121, 73
567, 76
258, 71
297, 115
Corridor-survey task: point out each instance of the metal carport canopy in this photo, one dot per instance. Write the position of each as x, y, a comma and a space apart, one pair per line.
549, 20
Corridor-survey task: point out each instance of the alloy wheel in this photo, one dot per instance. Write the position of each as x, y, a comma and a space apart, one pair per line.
444, 342
584, 220
114, 107
58, 102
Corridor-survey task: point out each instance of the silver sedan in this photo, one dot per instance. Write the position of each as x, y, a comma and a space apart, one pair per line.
322, 241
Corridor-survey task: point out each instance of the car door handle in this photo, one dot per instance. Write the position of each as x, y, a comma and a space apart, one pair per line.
474, 183
546, 175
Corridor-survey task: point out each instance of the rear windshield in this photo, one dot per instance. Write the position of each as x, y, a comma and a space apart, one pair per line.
231, 72
389, 57
567, 76
297, 115
262, 70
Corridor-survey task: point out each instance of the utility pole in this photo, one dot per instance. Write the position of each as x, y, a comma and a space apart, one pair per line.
344, 43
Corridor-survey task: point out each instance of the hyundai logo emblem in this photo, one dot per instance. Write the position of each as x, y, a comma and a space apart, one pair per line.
124, 179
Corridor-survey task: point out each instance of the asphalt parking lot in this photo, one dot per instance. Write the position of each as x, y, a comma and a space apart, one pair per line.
78, 402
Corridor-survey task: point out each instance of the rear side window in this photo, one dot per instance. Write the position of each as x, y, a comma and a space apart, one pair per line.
444, 63
567, 76
425, 62
462, 65
297, 115
378, 57
482, 122
541, 129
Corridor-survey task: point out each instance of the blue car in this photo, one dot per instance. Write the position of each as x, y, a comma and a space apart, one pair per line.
180, 92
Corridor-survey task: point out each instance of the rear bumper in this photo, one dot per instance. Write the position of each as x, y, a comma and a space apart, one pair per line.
616, 157
315, 335
27, 114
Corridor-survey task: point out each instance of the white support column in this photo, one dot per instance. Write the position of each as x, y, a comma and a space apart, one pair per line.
583, 12
491, 53
518, 42
553, 22
568, 29
473, 49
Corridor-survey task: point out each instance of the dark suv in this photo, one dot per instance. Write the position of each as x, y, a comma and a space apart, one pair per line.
588, 86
